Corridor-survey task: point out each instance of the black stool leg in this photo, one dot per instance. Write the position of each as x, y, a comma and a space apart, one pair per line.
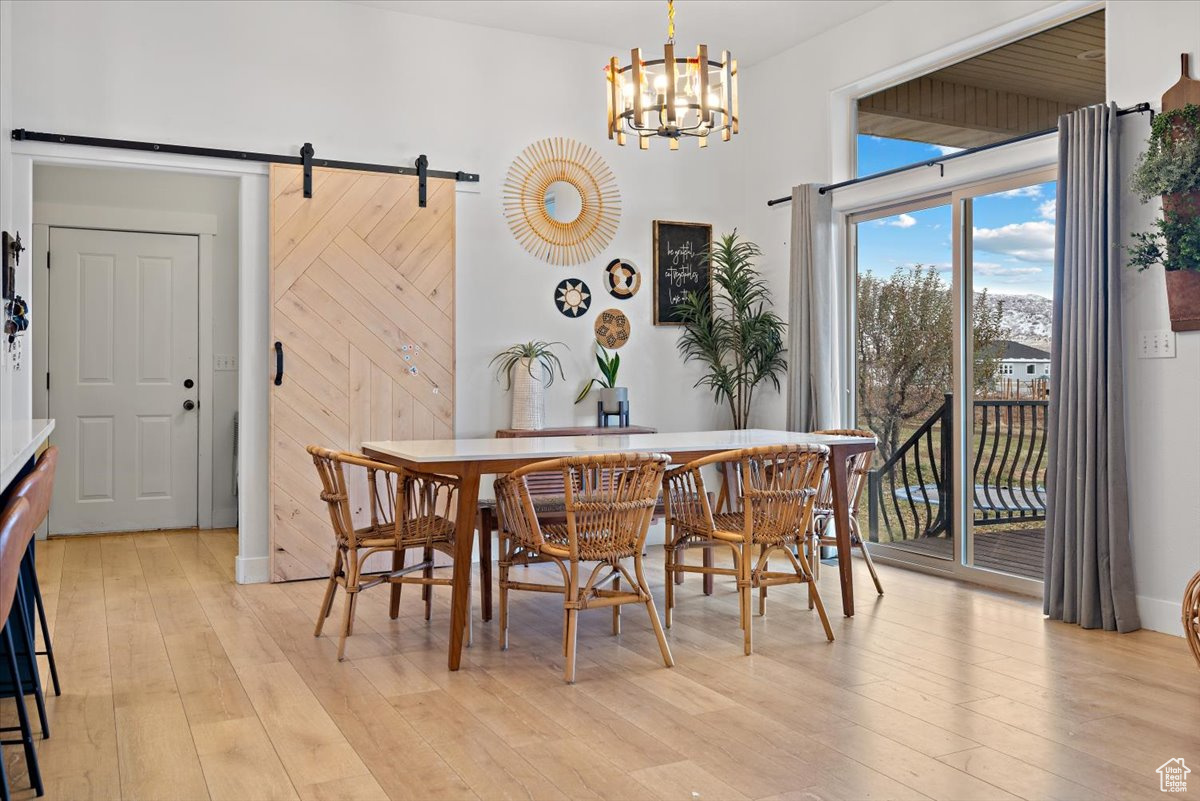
4, 791
35, 674
31, 762
31, 571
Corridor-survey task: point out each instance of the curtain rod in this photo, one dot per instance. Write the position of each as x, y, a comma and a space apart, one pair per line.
1140, 108
305, 159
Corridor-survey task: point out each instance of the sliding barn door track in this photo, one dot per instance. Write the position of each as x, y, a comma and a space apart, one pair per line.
305, 159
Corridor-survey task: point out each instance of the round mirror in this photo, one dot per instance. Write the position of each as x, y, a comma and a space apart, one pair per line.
563, 202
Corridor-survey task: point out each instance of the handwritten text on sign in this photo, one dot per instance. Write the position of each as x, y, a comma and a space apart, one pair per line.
680, 266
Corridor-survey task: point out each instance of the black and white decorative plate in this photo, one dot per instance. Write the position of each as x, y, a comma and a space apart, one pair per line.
572, 297
622, 278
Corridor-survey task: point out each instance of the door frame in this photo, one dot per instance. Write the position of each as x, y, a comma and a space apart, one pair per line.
204, 227
252, 562
962, 373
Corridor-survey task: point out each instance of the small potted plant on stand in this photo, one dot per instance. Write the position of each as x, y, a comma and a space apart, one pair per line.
527, 369
1170, 168
611, 395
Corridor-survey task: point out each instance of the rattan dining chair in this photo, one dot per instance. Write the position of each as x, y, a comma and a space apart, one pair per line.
404, 510
608, 503
778, 489
857, 470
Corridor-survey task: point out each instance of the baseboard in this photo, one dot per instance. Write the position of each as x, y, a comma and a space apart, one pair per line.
1160, 615
252, 569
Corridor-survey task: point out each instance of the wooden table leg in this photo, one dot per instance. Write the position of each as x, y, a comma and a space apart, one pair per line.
464, 541
841, 522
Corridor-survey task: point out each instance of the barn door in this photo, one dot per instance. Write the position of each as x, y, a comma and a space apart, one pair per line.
362, 292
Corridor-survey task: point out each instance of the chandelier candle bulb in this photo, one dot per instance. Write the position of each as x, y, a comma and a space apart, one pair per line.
672, 97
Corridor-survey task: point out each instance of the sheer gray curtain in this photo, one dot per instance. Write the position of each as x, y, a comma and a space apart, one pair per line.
1089, 568
812, 363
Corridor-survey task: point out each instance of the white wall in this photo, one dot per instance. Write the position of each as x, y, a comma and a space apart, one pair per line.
1163, 428
158, 192
1144, 42
369, 85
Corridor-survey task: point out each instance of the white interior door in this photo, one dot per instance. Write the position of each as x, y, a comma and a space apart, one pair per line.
123, 347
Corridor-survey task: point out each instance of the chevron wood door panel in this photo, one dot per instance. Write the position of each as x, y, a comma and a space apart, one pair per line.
362, 293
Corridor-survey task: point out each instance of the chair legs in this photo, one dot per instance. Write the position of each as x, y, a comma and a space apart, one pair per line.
31, 572
397, 564
644, 587
330, 590
39, 697
349, 604
26, 740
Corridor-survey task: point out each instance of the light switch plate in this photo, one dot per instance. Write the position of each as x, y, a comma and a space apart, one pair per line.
224, 362
1158, 344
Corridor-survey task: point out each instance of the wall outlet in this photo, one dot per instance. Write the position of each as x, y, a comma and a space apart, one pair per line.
224, 362
1158, 345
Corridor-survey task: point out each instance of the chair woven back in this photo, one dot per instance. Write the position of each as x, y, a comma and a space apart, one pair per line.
857, 469
609, 500
16, 529
779, 487
373, 498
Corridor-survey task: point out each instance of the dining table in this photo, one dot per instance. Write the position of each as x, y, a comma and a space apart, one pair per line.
470, 459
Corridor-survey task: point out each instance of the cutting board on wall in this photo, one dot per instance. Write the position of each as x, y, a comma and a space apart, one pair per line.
1186, 90
362, 294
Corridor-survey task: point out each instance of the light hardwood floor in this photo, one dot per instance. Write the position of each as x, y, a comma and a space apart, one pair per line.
179, 684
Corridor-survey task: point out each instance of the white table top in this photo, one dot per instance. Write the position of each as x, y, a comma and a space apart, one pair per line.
21, 440
479, 450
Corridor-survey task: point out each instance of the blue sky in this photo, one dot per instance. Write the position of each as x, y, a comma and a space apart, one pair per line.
1014, 231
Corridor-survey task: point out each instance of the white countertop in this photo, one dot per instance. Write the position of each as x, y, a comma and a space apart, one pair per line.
21, 441
475, 450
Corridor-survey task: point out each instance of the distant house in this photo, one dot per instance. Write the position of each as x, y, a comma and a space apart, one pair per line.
1023, 362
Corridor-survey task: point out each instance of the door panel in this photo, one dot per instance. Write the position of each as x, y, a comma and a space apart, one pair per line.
362, 283
124, 336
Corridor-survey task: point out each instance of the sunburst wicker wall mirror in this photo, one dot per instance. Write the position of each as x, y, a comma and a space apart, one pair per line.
561, 201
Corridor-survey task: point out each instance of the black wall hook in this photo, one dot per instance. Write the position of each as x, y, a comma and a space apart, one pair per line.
306, 154
422, 178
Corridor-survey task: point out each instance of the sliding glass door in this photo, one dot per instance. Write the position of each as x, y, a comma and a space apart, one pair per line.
953, 296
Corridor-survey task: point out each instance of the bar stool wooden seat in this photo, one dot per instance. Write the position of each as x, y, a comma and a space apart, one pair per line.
397, 511
778, 489
16, 530
38, 489
607, 505
858, 468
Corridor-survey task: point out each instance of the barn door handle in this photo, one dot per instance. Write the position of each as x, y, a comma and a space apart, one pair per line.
278, 363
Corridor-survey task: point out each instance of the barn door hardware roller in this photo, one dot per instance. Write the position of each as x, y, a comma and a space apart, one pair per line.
305, 159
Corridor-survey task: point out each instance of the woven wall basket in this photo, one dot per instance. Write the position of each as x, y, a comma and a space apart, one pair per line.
528, 397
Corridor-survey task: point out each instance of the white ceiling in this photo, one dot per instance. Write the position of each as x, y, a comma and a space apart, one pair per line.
753, 30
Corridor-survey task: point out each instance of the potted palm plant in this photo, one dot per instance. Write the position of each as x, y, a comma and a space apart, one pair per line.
611, 395
732, 331
527, 368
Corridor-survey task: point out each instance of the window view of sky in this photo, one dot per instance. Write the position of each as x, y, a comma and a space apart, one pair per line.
1014, 231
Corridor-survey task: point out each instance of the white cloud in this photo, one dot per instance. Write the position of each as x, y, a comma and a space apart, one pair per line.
1004, 270
1048, 209
1031, 241
903, 221
946, 150
1025, 191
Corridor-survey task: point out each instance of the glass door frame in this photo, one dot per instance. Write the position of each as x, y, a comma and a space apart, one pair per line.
962, 372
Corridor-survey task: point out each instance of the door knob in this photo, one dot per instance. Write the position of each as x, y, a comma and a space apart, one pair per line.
189, 405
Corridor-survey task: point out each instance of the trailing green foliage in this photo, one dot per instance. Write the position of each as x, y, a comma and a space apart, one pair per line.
536, 352
609, 364
1171, 162
1174, 243
732, 331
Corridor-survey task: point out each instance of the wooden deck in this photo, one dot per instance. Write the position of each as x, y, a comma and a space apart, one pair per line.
1018, 551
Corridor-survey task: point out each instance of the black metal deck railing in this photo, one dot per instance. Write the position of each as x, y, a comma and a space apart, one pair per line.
910, 495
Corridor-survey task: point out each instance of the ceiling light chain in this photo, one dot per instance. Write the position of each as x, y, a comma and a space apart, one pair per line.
672, 97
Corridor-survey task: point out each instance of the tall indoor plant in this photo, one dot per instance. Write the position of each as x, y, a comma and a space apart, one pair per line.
527, 368
732, 331
1170, 168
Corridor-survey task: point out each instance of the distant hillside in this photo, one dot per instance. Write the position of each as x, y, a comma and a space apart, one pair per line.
1027, 318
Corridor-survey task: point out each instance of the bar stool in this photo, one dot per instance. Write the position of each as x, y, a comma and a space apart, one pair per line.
38, 489
16, 530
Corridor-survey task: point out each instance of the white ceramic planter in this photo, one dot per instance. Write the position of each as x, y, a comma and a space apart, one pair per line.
611, 398
528, 396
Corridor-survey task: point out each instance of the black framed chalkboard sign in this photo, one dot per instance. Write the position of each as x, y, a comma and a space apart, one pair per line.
681, 253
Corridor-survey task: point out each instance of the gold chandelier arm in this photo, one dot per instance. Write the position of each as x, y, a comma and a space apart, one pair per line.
671, 21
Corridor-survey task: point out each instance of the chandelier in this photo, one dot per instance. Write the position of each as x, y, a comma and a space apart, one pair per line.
672, 96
